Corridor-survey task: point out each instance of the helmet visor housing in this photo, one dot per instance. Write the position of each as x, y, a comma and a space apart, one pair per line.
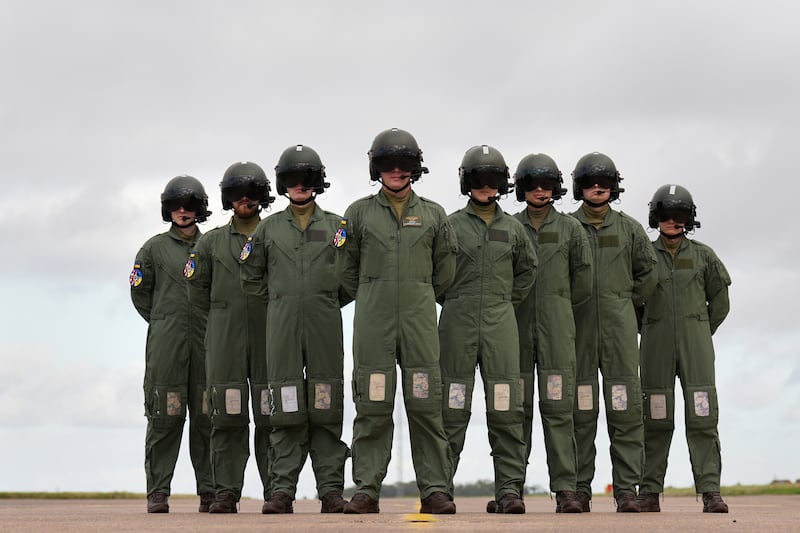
309, 178
389, 163
249, 190
492, 178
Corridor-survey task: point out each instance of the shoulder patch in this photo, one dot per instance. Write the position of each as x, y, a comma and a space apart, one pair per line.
188, 270
341, 234
413, 221
136, 275
246, 249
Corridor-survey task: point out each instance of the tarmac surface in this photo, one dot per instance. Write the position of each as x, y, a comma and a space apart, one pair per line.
748, 513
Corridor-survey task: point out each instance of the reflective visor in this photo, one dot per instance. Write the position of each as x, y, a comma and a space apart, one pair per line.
388, 164
529, 183
479, 180
678, 215
306, 178
249, 191
189, 203
604, 182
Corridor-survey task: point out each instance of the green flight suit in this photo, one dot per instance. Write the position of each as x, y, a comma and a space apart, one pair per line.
395, 270
547, 338
305, 356
237, 372
175, 374
495, 269
689, 304
606, 339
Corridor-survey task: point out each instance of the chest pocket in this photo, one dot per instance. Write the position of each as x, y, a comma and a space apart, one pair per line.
376, 254
500, 247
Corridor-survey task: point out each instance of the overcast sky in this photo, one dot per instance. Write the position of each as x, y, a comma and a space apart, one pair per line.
101, 103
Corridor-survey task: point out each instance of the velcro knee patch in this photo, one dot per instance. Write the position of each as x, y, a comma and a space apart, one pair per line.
288, 402
458, 394
229, 404
659, 408
555, 391
167, 405
702, 410
587, 404
503, 396
373, 390
422, 388
325, 400
623, 399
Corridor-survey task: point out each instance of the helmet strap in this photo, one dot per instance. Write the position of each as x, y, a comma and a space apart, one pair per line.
595, 204
534, 206
676, 236
487, 203
404, 187
302, 202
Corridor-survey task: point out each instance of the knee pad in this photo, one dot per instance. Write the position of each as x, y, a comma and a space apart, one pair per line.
556, 391
702, 409
325, 401
422, 389
623, 399
229, 403
586, 407
262, 408
165, 405
288, 402
503, 398
373, 390
659, 409
457, 398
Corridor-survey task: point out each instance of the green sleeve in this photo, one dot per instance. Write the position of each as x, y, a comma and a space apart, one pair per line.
445, 249
645, 276
142, 291
717, 282
525, 265
199, 280
348, 257
580, 266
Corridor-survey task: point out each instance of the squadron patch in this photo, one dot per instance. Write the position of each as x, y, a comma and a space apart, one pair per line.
248, 247
413, 221
136, 275
188, 270
341, 235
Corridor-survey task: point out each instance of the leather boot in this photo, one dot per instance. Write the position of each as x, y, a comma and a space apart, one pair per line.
626, 503
158, 502
438, 503
713, 503
224, 503
205, 502
333, 502
567, 502
511, 504
278, 503
648, 502
360, 503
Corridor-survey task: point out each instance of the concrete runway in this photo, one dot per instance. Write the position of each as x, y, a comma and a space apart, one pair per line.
748, 513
